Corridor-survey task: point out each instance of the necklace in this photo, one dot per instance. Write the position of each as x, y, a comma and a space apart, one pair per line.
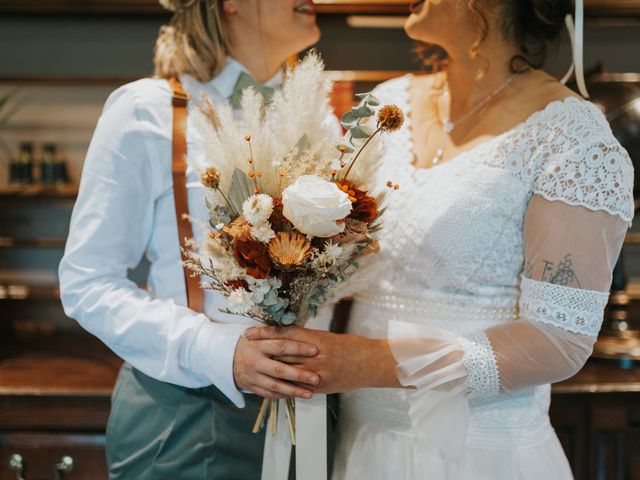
448, 126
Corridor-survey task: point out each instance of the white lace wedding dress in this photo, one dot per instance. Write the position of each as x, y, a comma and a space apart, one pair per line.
497, 268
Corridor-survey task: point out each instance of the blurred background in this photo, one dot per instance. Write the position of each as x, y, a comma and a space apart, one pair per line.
59, 60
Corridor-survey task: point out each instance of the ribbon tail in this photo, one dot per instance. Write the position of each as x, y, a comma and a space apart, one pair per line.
311, 438
277, 449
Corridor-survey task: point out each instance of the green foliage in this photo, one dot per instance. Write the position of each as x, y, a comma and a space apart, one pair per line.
241, 188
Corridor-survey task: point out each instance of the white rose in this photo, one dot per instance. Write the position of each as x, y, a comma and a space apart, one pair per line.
314, 205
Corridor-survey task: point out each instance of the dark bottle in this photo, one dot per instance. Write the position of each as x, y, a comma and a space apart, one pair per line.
24, 169
47, 166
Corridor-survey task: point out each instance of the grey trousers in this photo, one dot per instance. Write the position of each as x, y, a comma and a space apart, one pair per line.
159, 431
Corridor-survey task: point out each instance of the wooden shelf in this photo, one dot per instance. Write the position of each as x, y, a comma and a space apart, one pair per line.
593, 8
601, 376
29, 292
13, 242
57, 382
38, 193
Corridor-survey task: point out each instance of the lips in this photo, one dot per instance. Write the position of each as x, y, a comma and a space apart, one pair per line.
305, 7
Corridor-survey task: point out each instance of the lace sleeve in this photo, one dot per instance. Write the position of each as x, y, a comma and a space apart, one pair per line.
581, 163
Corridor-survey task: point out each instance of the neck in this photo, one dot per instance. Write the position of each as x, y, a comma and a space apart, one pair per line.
262, 67
465, 89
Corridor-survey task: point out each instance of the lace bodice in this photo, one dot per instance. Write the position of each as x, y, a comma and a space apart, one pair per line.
457, 228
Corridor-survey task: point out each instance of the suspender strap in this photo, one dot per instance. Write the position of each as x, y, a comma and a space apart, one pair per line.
195, 294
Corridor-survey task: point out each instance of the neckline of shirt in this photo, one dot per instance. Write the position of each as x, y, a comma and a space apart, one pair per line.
223, 83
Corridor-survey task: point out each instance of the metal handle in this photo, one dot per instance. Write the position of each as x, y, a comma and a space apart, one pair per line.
65, 465
16, 463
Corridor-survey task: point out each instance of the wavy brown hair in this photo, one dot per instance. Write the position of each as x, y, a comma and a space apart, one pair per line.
194, 42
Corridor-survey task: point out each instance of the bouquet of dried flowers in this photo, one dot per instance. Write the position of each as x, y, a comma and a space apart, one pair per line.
293, 202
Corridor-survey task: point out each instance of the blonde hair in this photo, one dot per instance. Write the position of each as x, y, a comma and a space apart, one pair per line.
194, 42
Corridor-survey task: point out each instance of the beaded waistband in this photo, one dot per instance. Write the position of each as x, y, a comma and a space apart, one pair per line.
438, 308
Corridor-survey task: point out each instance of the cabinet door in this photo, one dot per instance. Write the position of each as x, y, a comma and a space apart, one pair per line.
42, 455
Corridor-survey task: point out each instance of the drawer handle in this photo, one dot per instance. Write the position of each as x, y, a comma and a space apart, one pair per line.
65, 465
16, 463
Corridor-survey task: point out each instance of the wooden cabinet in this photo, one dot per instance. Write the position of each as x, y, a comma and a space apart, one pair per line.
596, 415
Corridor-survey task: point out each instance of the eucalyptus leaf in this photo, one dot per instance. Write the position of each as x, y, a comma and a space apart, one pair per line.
207, 203
360, 131
288, 318
348, 118
362, 112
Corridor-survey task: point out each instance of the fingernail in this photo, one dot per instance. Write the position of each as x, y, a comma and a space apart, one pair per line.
315, 380
306, 395
313, 350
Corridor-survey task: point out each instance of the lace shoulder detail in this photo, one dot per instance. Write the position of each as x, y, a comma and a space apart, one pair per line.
579, 161
572, 309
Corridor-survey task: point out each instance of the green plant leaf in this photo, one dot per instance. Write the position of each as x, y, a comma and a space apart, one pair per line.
360, 131
348, 118
362, 112
241, 188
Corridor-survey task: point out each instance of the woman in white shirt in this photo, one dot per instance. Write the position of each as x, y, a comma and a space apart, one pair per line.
174, 409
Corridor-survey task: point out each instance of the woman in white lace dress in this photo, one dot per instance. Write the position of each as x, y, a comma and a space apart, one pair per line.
497, 255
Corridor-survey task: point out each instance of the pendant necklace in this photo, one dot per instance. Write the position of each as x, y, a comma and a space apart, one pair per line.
448, 126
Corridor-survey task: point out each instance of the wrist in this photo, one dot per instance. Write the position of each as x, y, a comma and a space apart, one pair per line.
380, 364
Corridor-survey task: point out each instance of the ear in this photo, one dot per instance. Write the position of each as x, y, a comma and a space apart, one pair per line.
230, 7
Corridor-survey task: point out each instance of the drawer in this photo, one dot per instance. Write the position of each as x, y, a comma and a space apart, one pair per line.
41, 453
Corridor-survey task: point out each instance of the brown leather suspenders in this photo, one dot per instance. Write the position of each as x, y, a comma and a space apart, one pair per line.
195, 294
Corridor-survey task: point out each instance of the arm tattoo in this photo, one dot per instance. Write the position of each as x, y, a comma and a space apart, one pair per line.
562, 274
565, 275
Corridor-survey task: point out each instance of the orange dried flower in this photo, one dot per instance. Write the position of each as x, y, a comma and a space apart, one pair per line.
238, 228
253, 256
364, 208
210, 178
390, 118
289, 250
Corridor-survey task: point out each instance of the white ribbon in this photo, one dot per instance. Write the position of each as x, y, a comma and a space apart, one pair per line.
311, 431
277, 450
576, 35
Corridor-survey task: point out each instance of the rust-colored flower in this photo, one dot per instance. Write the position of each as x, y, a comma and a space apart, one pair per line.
390, 118
238, 228
210, 178
277, 219
364, 208
253, 256
238, 283
289, 250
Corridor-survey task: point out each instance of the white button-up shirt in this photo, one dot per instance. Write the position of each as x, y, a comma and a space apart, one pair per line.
125, 209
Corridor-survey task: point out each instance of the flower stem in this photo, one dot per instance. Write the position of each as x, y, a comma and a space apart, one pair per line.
360, 151
233, 210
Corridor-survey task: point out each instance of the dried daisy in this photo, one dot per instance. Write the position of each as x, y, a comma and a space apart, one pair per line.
289, 250
257, 209
390, 118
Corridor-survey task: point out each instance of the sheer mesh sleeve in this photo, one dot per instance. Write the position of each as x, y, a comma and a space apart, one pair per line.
570, 252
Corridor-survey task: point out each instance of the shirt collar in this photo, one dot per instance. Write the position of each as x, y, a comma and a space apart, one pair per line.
223, 83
